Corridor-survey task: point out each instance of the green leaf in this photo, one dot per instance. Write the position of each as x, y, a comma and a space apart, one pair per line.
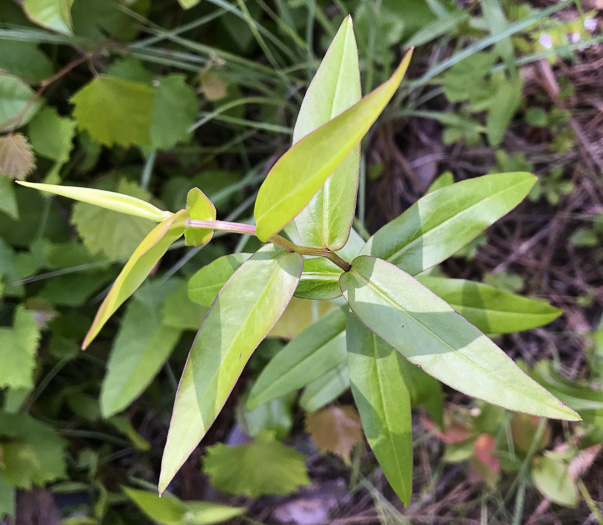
33, 453
552, 479
18, 348
175, 109
262, 467
302, 170
275, 416
441, 223
445, 179
16, 157
52, 14
180, 312
8, 498
18, 103
168, 510
319, 280
187, 4
51, 135
429, 333
328, 217
200, 208
107, 199
141, 348
204, 286
247, 307
115, 111
383, 401
314, 352
138, 267
503, 106
24, 60
493, 311
326, 389
8, 200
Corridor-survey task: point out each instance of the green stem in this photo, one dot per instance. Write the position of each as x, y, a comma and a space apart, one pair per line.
249, 229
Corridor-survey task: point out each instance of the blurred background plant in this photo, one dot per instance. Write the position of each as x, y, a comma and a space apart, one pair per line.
150, 99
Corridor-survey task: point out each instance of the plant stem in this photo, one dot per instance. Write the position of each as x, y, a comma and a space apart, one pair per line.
249, 229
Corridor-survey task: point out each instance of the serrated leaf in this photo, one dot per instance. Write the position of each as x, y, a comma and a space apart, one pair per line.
16, 157
115, 111
441, 223
203, 287
302, 170
493, 311
51, 135
262, 467
314, 352
33, 454
383, 401
328, 217
552, 479
175, 110
200, 208
109, 200
18, 103
138, 267
8, 200
335, 429
326, 389
18, 348
429, 333
142, 346
246, 308
51, 14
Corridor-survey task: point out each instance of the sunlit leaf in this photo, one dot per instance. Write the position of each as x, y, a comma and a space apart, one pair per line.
187, 4
493, 311
18, 103
199, 208
52, 14
302, 170
318, 349
429, 333
442, 222
300, 314
138, 267
203, 287
115, 111
335, 429
328, 217
383, 402
105, 199
240, 317
16, 157
262, 467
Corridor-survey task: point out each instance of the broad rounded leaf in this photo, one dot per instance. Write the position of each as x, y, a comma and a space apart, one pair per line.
442, 222
383, 401
138, 267
199, 208
335, 429
204, 286
492, 310
429, 333
552, 479
18, 103
243, 313
16, 157
51, 135
302, 170
52, 14
105, 199
115, 111
328, 217
318, 349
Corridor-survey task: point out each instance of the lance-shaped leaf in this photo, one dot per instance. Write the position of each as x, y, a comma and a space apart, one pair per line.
302, 170
429, 333
320, 280
200, 208
493, 311
204, 286
328, 217
138, 267
105, 199
247, 307
383, 401
326, 389
318, 349
442, 222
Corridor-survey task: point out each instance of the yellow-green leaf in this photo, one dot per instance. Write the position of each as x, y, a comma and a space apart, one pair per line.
246, 308
328, 217
52, 14
138, 267
105, 199
429, 333
302, 170
200, 208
